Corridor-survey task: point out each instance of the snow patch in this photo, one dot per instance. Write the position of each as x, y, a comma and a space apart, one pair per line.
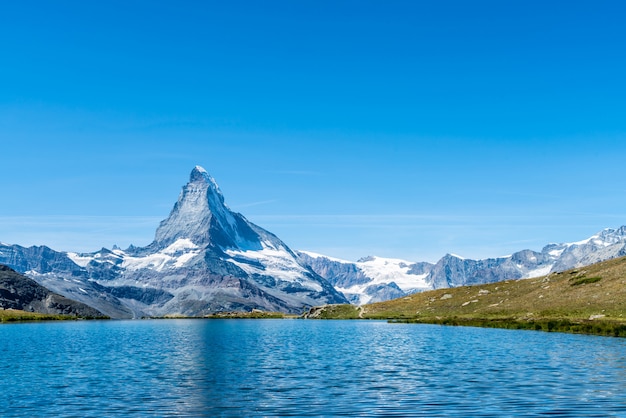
556, 253
201, 169
583, 242
387, 270
179, 245
80, 260
317, 255
276, 262
601, 243
542, 271
175, 255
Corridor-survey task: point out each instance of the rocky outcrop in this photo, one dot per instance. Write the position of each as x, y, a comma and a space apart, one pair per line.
20, 292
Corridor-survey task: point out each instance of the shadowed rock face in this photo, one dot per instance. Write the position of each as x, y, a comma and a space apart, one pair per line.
20, 292
201, 216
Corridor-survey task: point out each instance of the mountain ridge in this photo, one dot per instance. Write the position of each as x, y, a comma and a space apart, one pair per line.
362, 284
204, 259
588, 300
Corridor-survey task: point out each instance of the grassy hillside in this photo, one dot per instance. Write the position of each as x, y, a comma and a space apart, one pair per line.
586, 300
11, 315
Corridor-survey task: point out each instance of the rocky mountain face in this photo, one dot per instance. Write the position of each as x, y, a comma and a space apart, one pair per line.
376, 279
19, 292
56, 271
204, 259
370, 279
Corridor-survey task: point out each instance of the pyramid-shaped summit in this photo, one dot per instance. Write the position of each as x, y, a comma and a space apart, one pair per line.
201, 216
204, 259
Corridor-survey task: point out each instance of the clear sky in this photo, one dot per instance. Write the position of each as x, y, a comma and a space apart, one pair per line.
405, 129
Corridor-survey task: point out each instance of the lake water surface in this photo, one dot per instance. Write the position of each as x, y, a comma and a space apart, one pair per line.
304, 368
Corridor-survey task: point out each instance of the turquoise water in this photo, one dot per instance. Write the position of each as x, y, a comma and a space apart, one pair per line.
304, 368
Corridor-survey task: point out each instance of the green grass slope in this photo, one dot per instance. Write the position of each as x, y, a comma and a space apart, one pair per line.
588, 300
12, 315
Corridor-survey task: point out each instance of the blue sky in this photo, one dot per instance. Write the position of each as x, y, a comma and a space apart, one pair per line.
406, 129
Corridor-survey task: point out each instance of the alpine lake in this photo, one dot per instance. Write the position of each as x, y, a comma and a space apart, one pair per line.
284, 367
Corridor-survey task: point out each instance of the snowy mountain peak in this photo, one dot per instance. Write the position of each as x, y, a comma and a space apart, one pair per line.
201, 178
450, 255
199, 211
200, 175
612, 235
199, 169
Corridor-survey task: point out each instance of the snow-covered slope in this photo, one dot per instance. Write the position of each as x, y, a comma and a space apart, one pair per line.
371, 279
375, 279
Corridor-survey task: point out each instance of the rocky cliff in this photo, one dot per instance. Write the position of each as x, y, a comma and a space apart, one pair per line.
19, 292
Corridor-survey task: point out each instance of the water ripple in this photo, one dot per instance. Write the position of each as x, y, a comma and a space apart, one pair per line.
304, 368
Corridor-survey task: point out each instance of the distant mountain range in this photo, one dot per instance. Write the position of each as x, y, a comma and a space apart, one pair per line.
375, 279
587, 300
206, 259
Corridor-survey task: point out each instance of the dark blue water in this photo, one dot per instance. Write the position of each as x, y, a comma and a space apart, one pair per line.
304, 368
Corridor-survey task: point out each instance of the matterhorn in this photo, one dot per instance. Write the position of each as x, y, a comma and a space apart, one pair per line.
204, 259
